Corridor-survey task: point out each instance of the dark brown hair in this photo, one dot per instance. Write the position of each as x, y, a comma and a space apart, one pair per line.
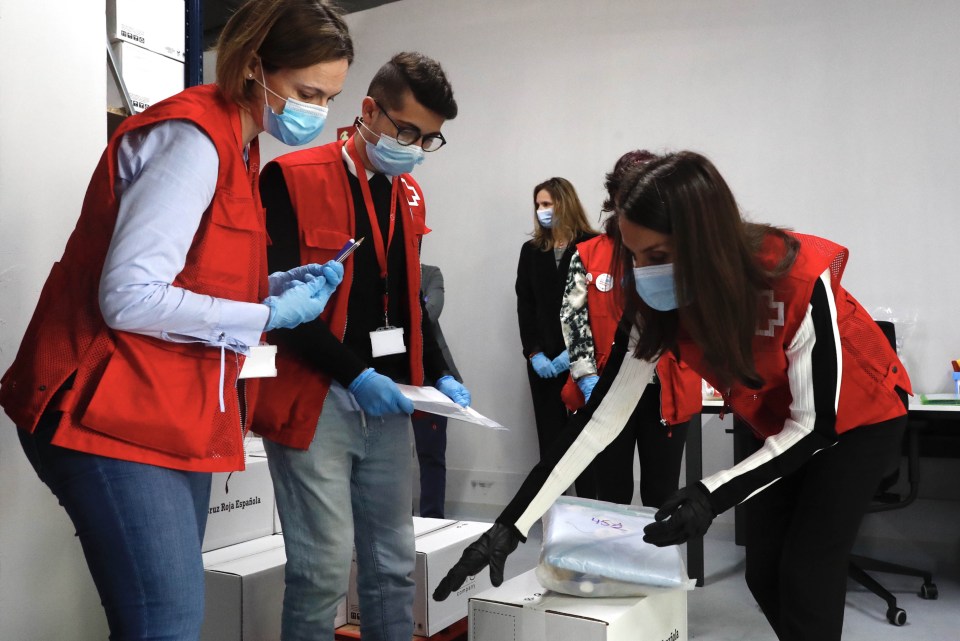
611, 184
716, 269
569, 218
283, 34
423, 76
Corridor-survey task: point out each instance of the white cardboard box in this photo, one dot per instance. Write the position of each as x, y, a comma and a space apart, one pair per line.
148, 76
157, 25
439, 543
522, 610
243, 513
244, 591
254, 445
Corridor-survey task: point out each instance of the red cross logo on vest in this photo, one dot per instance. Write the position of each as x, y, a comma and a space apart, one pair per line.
413, 198
775, 314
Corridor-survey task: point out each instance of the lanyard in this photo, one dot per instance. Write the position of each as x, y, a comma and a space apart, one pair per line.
382, 248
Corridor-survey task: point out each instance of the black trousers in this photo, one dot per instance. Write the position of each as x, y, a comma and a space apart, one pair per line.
799, 531
430, 436
551, 416
660, 449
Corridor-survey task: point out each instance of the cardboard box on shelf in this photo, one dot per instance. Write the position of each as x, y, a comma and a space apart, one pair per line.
439, 544
522, 610
157, 25
241, 508
148, 76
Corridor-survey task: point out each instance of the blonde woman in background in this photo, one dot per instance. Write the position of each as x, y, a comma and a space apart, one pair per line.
559, 224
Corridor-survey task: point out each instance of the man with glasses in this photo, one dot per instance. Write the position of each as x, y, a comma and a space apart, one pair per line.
336, 427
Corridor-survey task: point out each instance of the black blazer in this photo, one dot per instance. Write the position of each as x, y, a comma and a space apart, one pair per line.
540, 285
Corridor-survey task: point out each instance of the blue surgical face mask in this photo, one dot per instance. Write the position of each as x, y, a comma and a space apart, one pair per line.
390, 157
656, 286
298, 124
545, 216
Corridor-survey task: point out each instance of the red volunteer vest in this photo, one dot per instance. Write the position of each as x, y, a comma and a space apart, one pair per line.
289, 405
134, 397
871, 370
680, 386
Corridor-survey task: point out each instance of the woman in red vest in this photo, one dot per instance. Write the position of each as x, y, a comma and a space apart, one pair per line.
127, 387
761, 314
592, 307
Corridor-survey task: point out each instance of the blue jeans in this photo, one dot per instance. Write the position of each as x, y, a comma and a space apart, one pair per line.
140, 527
351, 485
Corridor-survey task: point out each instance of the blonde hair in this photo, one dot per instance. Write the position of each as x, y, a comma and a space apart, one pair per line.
283, 34
569, 218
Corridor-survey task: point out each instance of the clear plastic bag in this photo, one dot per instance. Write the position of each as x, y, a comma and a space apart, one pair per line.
596, 549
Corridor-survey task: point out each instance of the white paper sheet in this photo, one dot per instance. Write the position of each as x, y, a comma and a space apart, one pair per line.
433, 401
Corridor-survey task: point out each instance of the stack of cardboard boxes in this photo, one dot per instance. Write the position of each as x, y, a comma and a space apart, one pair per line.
148, 43
244, 560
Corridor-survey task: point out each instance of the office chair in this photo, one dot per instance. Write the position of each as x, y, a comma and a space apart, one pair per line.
885, 500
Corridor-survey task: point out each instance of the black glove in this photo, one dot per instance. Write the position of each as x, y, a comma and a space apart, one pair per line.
491, 549
686, 514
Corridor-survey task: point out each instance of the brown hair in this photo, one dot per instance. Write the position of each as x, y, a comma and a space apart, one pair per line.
284, 34
423, 76
716, 268
611, 183
569, 218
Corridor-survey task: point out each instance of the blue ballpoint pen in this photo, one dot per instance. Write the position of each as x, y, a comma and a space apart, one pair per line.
345, 247
347, 250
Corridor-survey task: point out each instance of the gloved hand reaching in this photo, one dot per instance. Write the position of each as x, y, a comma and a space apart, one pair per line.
561, 362
586, 385
542, 366
282, 281
686, 514
378, 395
454, 390
303, 301
492, 548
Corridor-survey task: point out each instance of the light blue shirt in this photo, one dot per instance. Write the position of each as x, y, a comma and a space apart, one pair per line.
166, 177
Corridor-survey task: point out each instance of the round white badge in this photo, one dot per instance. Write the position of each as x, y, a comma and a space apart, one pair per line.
604, 282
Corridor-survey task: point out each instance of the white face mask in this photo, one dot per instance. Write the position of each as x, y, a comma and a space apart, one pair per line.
545, 216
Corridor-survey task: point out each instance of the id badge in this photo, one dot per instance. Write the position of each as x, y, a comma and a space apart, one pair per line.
260, 362
386, 341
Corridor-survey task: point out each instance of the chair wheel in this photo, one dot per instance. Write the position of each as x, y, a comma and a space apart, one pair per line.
897, 616
929, 591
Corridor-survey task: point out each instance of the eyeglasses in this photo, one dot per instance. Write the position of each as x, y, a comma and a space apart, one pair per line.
409, 135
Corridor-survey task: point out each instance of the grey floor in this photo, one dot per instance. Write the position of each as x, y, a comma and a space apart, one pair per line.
723, 609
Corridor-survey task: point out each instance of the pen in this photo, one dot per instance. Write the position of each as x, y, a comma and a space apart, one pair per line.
344, 253
345, 247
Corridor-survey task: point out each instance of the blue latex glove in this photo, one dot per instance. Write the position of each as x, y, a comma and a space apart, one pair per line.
282, 281
454, 390
303, 301
561, 362
378, 395
542, 366
586, 385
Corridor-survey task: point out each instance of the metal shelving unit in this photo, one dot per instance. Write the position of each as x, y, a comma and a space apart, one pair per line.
192, 67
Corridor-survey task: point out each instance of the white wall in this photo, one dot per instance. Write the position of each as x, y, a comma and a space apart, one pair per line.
834, 117
52, 132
